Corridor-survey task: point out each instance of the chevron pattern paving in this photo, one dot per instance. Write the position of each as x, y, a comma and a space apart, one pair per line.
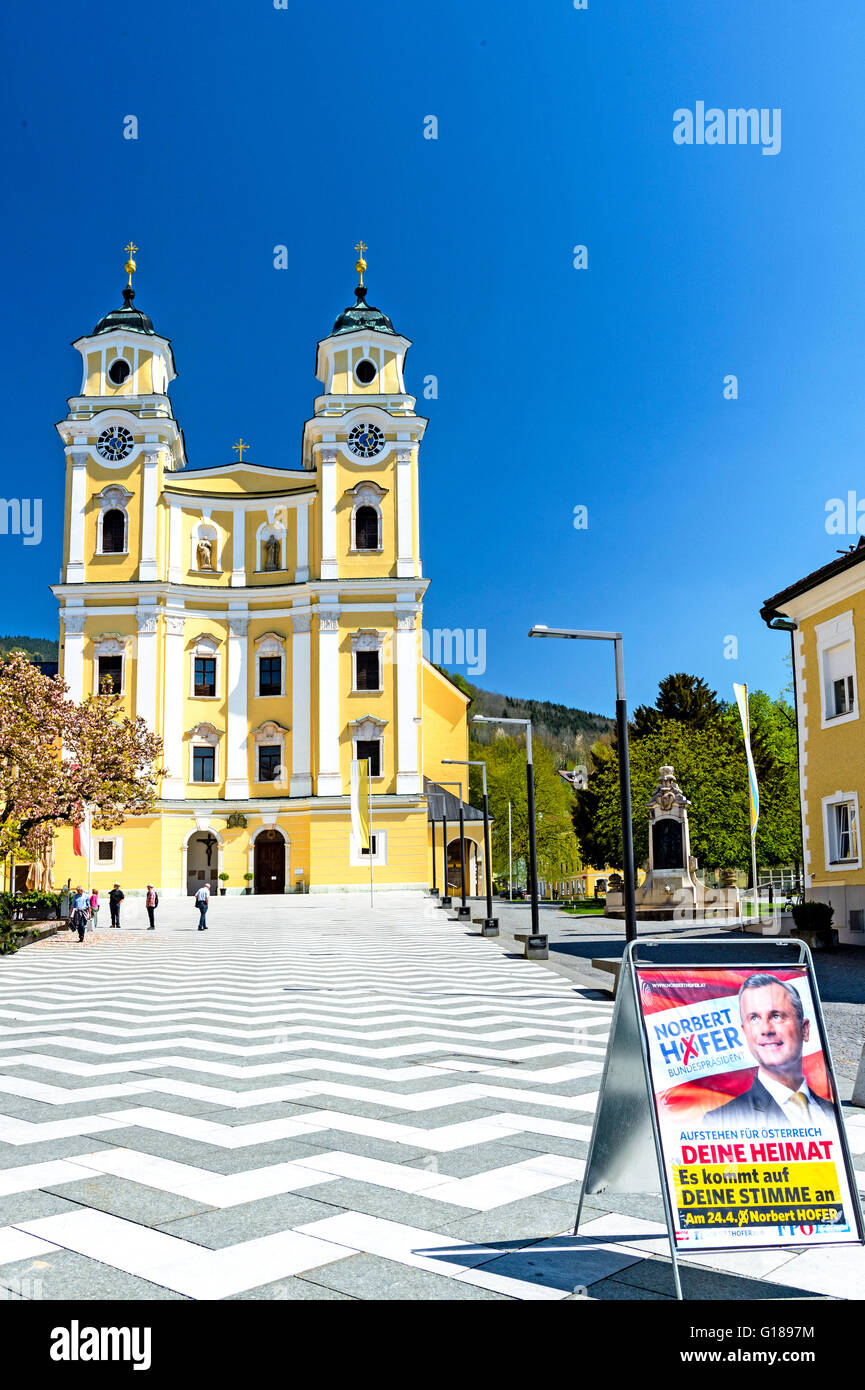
311, 1100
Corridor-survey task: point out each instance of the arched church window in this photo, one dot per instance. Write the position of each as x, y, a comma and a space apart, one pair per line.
366, 525
113, 533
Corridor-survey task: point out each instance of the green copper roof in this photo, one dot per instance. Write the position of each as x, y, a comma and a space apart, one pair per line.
360, 315
130, 319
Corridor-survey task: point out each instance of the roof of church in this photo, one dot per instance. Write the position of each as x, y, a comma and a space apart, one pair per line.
361, 315
440, 800
130, 319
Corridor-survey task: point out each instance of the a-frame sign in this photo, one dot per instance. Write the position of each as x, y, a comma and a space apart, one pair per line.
718, 1090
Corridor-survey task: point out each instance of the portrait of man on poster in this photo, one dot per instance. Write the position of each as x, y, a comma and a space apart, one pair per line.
775, 1030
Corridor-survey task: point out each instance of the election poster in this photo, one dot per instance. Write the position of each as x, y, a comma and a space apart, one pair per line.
747, 1108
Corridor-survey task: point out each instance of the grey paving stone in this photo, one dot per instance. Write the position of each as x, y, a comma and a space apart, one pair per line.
218, 1228
612, 1290
647, 1205
565, 1263
293, 1289
696, 1283
26, 1206
64, 1275
409, 1209
526, 1220
201, 1155
372, 1278
533, 1144
477, 1158
454, 1114
48, 1077
132, 1200
328, 1140
18, 1155
159, 1100
251, 1114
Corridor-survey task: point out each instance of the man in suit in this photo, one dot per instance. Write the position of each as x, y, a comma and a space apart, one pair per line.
776, 1030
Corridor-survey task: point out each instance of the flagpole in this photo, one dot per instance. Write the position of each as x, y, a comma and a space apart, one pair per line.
752, 827
369, 803
89, 819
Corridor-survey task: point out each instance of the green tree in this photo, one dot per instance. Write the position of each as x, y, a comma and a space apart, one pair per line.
710, 766
685, 698
557, 843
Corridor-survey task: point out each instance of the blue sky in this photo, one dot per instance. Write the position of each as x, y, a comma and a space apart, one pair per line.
557, 387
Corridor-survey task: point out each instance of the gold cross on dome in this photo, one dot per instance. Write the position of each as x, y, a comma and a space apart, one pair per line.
130, 264
361, 264
240, 446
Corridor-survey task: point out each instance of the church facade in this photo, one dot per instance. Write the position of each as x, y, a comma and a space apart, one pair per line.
265, 621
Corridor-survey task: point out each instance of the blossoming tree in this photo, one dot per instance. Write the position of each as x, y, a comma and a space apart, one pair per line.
57, 756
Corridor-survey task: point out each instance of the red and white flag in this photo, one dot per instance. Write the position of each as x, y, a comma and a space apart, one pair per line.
81, 836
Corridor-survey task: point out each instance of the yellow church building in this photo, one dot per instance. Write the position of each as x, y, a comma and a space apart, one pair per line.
264, 620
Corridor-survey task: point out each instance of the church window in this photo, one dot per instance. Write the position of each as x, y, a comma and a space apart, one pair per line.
110, 675
113, 533
118, 371
368, 670
203, 764
365, 371
270, 675
370, 749
205, 676
269, 762
366, 524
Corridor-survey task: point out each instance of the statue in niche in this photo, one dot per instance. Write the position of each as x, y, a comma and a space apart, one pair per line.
272, 556
204, 553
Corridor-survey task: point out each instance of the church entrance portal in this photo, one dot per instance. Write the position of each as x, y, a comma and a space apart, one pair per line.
270, 862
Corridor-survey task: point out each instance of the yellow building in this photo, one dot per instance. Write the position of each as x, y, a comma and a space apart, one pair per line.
264, 620
825, 613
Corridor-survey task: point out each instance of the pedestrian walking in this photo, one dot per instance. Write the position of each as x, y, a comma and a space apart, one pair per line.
80, 912
202, 898
115, 898
94, 906
151, 902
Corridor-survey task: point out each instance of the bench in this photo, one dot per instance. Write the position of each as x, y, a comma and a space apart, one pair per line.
535, 947
613, 966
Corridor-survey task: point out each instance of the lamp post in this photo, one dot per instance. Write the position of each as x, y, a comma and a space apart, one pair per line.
446, 900
490, 925
530, 791
579, 634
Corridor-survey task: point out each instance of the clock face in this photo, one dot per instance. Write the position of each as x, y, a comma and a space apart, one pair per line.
366, 441
114, 443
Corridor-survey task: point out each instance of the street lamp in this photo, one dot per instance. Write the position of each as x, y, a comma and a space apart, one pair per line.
530, 789
577, 634
446, 900
490, 924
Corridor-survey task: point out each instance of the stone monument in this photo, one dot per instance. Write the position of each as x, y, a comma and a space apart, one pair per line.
671, 888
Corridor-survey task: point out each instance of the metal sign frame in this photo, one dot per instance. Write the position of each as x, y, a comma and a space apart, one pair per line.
626, 1121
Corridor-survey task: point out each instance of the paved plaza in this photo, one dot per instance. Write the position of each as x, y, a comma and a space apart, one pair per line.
316, 1100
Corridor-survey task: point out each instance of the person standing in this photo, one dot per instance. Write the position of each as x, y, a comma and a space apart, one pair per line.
115, 898
202, 898
151, 902
80, 912
94, 906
